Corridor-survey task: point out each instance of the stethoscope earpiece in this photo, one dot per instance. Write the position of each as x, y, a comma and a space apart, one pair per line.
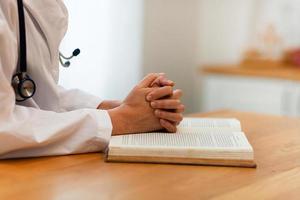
67, 63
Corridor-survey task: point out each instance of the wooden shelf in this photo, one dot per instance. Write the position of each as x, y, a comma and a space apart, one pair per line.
286, 73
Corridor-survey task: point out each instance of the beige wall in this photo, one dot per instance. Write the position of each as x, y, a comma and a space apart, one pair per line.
109, 34
171, 41
178, 36
181, 35
225, 27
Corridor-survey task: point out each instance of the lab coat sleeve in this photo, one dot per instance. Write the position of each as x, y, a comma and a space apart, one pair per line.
77, 99
30, 132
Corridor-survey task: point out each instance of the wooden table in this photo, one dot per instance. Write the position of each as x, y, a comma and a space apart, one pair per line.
276, 141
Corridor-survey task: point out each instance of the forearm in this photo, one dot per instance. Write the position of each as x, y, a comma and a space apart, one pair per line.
81, 131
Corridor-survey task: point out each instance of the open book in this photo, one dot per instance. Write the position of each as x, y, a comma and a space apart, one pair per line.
202, 141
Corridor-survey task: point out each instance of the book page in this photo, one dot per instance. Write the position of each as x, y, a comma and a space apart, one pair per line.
202, 139
197, 138
210, 123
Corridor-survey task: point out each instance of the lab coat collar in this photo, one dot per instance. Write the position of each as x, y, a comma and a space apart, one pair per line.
51, 17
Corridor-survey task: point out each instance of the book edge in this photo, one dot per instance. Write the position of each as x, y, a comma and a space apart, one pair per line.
182, 161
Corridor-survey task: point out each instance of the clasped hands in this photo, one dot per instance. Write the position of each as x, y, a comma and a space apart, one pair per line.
152, 105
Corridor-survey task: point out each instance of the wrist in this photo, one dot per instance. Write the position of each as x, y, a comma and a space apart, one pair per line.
121, 120
106, 105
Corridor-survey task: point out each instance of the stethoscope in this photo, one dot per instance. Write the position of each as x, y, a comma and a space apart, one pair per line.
23, 85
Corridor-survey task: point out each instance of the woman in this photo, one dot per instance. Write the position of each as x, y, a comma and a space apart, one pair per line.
56, 121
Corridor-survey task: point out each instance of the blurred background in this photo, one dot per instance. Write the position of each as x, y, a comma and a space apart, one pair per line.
225, 54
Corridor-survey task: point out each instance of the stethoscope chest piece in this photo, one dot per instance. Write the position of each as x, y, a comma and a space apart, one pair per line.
24, 86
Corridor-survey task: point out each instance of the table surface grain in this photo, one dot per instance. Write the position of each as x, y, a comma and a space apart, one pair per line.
276, 143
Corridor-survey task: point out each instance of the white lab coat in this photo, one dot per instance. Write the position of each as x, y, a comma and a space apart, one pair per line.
55, 121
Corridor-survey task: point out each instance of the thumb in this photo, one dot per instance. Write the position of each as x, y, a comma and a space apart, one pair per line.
148, 80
